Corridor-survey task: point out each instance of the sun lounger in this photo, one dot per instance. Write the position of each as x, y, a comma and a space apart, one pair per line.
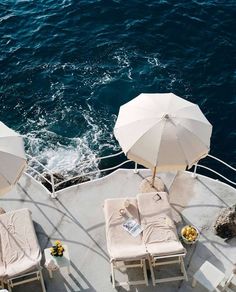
159, 234
121, 245
20, 252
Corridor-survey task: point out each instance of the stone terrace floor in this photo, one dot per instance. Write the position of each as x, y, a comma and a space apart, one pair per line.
76, 218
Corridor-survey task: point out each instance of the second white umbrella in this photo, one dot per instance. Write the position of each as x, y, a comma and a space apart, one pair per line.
12, 158
163, 131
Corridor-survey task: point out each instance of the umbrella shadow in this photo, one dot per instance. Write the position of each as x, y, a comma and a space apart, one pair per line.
60, 282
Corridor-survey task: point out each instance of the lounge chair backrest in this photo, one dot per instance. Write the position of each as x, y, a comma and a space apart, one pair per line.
152, 205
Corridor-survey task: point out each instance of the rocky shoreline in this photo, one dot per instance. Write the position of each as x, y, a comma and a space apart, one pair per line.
58, 178
225, 225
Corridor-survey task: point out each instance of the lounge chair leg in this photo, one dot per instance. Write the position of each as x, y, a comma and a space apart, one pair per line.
152, 272
112, 275
9, 287
181, 266
183, 269
42, 281
194, 283
145, 272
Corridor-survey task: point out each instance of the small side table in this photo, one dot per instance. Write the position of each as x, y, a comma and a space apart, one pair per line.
59, 262
208, 276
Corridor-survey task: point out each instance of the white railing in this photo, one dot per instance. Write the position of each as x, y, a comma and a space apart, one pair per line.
217, 173
54, 186
34, 170
221, 161
93, 172
213, 171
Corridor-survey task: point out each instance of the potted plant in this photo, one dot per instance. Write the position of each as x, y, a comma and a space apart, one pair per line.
57, 249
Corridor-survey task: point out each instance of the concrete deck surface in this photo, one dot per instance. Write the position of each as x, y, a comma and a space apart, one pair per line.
76, 218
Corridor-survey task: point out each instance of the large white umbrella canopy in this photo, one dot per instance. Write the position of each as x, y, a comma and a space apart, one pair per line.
12, 158
163, 131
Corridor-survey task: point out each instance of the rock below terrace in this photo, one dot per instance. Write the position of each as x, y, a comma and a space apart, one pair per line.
60, 178
225, 225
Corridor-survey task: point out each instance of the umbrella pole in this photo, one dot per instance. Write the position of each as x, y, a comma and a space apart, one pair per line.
153, 176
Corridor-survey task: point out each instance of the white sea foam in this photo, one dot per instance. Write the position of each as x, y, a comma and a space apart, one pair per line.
72, 156
92, 78
172, 82
75, 158
155, 62
58, 90
70, 160
129, 74
6, 17
122, 58
123, 61
104, 79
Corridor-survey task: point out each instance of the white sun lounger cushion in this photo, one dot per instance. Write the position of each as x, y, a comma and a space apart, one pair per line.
159, 234
20, 251
120, 244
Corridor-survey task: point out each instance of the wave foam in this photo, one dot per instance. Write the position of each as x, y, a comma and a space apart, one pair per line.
77, 155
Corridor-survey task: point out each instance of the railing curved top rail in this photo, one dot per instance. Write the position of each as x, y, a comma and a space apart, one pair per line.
94, 172
85, 161
52, 183
115, 167
103, 157
39, 163
221, 161
212, 170
39, 174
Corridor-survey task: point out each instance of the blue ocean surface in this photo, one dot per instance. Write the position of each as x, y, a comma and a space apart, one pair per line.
67, 66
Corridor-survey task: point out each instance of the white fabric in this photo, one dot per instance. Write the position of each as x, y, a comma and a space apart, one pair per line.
159, 234
20, 251
12, 158
163, 130
121, 245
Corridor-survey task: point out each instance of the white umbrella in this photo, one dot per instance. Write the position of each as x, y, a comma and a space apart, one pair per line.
12, 158
163, 131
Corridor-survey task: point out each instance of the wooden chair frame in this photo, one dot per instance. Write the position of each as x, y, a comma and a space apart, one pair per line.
141, 264
33, 276
168, 260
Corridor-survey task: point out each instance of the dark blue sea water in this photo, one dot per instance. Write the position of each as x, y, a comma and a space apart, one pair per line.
66, 67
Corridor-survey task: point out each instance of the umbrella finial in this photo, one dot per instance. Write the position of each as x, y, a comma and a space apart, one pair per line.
166, 116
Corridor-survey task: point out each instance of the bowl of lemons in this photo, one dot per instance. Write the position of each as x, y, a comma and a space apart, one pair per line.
189, 234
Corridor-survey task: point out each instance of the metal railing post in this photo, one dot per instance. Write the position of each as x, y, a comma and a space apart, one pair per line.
136, 167
53, 193
194, 174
